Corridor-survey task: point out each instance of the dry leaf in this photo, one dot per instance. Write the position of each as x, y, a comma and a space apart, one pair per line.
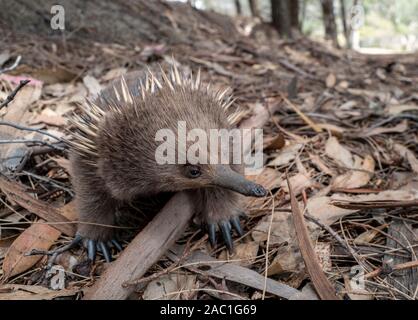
286, 155
400, 127
277, 142
247, 252
408, 154
336, 151
331, 80
317, 161
114, 73
323, 252
92, 85
287, 259
268, 178
321, 209
356, 178
37, 236
166, 286
27, 292
397, 109
299, 182
49, 117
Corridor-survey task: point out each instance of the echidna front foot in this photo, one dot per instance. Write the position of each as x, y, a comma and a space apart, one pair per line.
226, 226
104, 247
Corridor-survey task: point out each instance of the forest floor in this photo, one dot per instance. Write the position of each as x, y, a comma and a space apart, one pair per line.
340, 125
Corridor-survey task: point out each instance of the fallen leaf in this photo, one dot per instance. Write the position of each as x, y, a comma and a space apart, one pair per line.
268, 178
247, 252
321, 209
92, 85
277, 142
408, 154
317, 161
337, 152
397, 109
400, 127
37, 236
356, 178
323, 252
167, 286
28, 292
331, 80
114, 73
299, 182
286, 155
49, 117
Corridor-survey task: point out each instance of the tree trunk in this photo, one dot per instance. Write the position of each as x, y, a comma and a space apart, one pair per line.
345, 26
294, 14
254, 8
238, 7
280, 16
329, 21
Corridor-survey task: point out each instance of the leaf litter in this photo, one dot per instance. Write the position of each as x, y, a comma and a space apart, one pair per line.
350, 154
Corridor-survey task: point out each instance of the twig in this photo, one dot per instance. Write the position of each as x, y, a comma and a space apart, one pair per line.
374, 204
56, 147
401, 266
304, 117
267, 249
20, 127
321, 283
12, 95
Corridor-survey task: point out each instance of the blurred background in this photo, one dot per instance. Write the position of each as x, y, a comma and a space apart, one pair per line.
365, 25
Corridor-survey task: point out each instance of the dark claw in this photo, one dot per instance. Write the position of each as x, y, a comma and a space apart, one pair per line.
212, 234
91, 250
117, 245
105, 251
226, 233
237, 225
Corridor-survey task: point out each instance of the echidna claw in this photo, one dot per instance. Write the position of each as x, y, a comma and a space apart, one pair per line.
117, 245
105, 251
91, 250
225, 226
237, 225
212, 234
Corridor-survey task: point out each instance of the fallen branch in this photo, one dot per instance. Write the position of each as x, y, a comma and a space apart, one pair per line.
20, 127
147, 247
376, 204
17, 193
202, 263
323, 287
401, 266
12, 95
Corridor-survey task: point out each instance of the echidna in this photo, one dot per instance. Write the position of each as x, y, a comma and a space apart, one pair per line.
113, 154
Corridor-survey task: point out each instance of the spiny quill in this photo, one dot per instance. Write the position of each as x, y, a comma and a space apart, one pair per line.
87, 125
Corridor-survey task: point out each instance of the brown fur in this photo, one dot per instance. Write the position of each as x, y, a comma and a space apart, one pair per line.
117, 162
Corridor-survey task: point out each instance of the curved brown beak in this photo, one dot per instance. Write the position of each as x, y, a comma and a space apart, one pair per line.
227, 178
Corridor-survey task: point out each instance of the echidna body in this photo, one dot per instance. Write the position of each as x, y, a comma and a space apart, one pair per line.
113, 153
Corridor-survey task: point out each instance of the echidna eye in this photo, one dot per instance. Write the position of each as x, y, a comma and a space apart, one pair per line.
194, 172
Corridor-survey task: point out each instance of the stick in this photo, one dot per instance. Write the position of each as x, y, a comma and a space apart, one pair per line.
147, 247
323, 287
233, 272
12, 95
